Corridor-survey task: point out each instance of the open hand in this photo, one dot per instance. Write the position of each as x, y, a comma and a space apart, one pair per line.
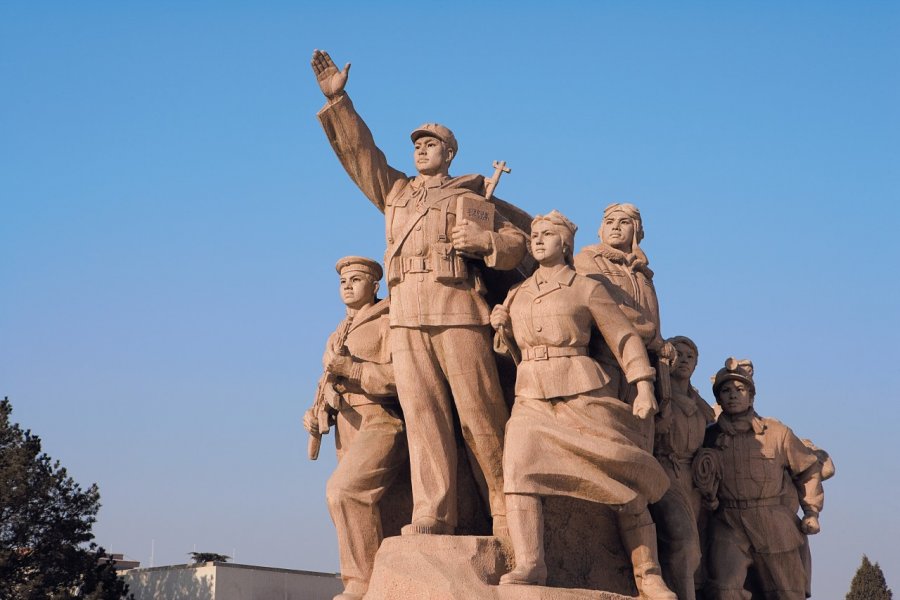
331, 81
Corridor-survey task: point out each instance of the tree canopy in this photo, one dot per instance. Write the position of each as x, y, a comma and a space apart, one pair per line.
46, 547
203, 557
869, 583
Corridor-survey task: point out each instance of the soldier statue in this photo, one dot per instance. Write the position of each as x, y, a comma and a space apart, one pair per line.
440, 334
358, 394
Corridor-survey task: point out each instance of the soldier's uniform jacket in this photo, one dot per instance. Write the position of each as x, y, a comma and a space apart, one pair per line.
754, 463
371, 380
430, 284
553, 327
631, 285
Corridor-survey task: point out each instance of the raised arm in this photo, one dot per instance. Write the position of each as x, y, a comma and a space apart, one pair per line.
349, 135
331, 81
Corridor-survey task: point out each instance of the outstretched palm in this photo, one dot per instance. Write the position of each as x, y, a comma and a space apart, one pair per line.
331, 81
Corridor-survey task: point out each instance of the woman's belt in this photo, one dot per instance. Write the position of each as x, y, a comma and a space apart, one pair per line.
546, 352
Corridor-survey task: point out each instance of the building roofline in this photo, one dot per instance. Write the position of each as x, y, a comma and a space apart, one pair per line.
233, 566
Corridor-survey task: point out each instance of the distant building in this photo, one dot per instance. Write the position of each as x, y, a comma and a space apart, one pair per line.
120, 563
226, 581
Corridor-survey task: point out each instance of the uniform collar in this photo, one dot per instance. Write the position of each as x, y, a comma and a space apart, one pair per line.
564, 275
370, 313
733, 426
685, 403
419, 182
691, 402
472, 182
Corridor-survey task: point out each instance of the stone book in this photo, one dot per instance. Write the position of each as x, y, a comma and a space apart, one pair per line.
478, 211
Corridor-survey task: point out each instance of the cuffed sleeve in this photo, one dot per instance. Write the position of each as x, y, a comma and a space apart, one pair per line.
806, 473
355, 147
377, 379
507, 248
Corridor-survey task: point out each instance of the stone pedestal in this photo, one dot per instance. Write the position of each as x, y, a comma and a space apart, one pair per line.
438, 567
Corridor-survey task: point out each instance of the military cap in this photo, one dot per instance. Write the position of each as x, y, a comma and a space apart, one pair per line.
360, 263
438, 131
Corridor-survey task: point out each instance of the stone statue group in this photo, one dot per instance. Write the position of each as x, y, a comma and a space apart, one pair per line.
603, 411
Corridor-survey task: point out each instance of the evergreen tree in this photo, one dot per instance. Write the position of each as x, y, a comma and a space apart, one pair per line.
205, 557
46, 518
869, 583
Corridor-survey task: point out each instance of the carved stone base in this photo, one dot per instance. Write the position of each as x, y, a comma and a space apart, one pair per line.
440, 567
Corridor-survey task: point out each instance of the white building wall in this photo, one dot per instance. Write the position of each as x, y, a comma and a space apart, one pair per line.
222, 581
237, 582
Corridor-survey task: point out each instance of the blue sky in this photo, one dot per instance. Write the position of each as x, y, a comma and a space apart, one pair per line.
170, 214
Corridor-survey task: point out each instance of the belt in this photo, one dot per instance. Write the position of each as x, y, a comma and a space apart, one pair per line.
415, 264
545, 352
751, 503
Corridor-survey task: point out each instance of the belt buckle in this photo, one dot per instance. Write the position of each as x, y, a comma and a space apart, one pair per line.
540, 352
415, 264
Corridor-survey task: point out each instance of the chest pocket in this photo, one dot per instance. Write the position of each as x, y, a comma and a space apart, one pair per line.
762, 466
440, 220
396, 199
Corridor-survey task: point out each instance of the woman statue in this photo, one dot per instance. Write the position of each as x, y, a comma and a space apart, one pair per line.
569, 435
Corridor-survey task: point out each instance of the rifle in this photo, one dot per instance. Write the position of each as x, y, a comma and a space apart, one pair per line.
326, 396
664, 378
490, 184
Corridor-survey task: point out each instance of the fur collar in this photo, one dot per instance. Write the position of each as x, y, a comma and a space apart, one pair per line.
633, 261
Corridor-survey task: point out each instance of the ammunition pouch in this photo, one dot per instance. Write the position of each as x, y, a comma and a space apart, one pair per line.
446, 263
443, 263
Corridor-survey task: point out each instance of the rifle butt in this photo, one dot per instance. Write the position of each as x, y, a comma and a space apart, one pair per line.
664, 379
312, 447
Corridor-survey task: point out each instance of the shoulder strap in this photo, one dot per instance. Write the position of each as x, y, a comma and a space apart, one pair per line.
410, 225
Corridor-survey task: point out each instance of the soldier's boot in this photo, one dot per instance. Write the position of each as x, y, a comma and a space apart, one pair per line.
500, 530
427, 526
640, 544
525, 521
